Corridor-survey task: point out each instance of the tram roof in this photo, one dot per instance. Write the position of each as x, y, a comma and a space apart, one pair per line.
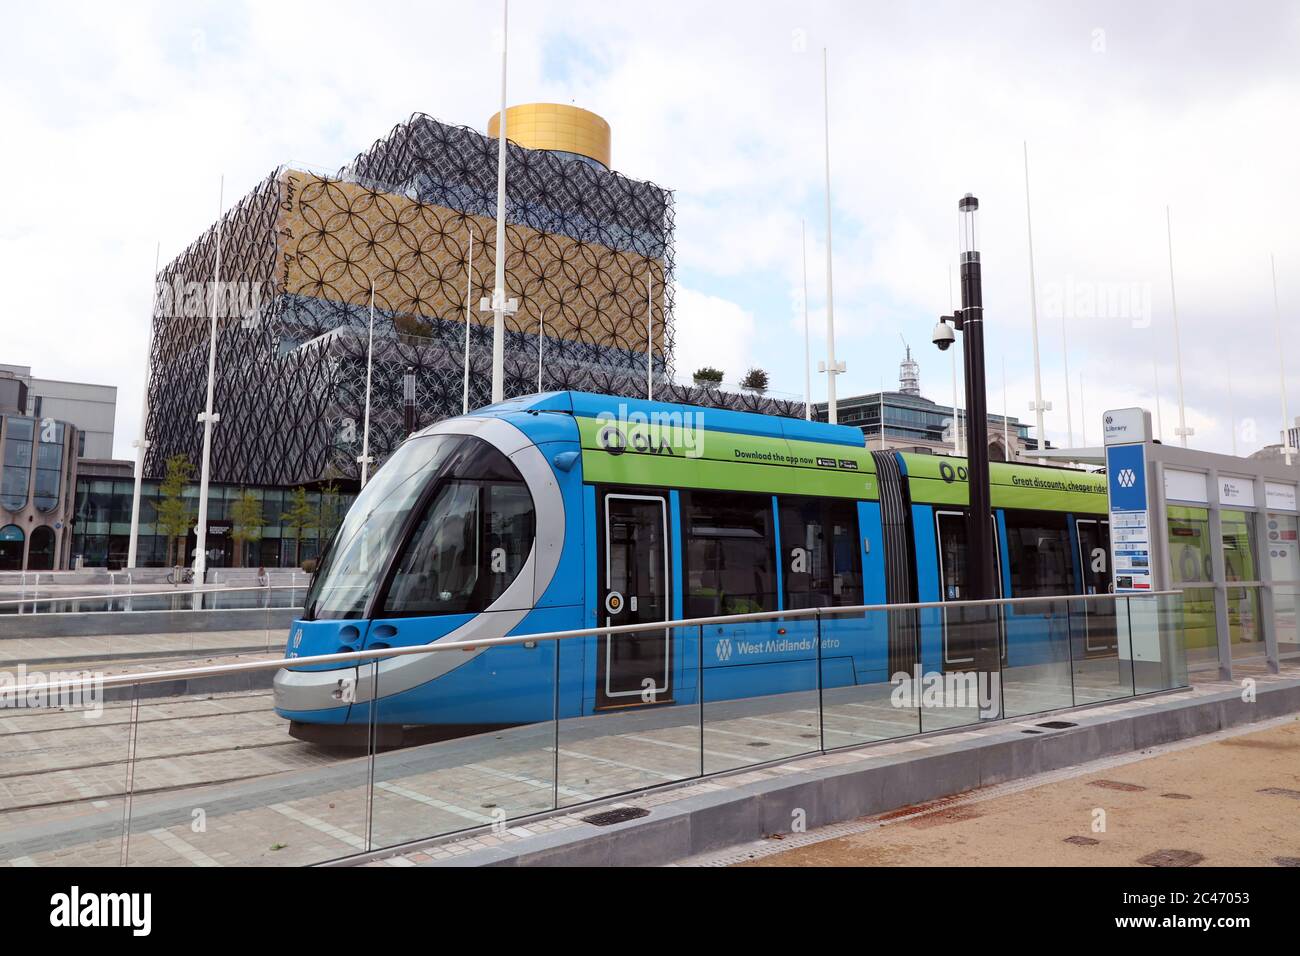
591, 405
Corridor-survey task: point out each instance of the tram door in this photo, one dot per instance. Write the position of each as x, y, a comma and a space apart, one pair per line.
963, 631
1100, 633
635, 669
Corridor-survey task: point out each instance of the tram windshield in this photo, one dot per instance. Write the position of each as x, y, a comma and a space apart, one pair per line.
350, 569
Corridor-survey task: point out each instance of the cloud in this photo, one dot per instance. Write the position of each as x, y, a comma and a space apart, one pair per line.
712, 331
120, 119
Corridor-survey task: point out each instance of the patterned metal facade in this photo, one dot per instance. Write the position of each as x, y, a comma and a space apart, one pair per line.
302, 257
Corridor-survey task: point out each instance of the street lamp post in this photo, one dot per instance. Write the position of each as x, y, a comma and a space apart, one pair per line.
980, 583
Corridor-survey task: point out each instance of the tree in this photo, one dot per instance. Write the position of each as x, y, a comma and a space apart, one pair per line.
297, 518
331, 512
247, 522
755, 381
708, 377
174, 516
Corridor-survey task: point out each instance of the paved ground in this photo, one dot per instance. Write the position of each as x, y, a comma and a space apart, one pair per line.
214, 778
1234, 801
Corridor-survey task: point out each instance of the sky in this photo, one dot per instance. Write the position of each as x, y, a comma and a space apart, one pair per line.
122, 121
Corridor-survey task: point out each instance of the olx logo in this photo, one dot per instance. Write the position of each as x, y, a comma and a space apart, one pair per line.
1127, 478
950, 474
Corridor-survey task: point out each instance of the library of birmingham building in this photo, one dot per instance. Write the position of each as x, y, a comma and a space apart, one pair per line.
408, 227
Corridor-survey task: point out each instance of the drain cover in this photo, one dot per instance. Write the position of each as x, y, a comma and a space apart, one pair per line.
1057, 724
1176, 796
1082, 841
1287, 860
1282, 792
618, 815
1171, 858
1031, 731
1116, 785
757, 743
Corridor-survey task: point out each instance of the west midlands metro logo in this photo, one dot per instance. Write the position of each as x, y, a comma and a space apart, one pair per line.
1127, 478
723, 650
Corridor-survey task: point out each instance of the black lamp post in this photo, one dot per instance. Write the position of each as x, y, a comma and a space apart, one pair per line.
980, 583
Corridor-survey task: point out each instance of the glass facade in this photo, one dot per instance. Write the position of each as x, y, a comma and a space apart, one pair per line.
102, 525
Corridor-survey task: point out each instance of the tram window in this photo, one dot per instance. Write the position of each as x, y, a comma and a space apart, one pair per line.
952, 555
469, 546
819, 545
1038, 548
729, 554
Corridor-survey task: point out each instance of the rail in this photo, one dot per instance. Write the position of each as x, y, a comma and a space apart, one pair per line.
219, 670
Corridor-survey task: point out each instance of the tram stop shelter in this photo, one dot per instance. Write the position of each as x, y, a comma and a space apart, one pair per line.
1222, 530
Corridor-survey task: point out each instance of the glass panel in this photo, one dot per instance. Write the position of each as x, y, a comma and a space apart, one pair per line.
1285, 604
1038, 674
761, 701
295, 803
1159, 662
1200, 628
1101, 649
959, 681
64, 797
639, 743
866, 658
1246, 635
452, 772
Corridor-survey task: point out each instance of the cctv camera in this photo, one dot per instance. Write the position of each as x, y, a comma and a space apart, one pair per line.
943, 336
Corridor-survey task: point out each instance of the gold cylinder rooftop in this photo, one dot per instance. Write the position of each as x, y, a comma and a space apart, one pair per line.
557, 127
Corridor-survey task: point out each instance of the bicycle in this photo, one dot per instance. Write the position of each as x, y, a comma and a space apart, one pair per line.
180, 576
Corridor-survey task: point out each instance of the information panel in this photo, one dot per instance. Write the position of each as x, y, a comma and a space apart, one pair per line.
1130, 518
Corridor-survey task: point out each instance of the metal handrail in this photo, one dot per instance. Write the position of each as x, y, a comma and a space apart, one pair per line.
218, 670
119, 595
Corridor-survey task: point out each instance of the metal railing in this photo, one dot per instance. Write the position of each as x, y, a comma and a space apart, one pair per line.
199, 597
737, 691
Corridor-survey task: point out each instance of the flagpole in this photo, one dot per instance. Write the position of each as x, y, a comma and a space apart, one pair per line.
831, 366
500, 306
1288, 450
807, 351
140, 445
209, 417
1232, 410
1183, 430
1006, 440
1160, 418
370, 357
469, 291
649, 332
1039, 407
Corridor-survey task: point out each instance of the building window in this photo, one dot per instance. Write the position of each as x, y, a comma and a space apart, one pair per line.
729, 554
819, 548
17, 463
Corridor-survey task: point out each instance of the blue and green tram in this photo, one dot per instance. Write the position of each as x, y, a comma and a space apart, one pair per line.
568, 510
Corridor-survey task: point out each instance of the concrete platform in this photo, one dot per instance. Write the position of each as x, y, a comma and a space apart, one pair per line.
722, 811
